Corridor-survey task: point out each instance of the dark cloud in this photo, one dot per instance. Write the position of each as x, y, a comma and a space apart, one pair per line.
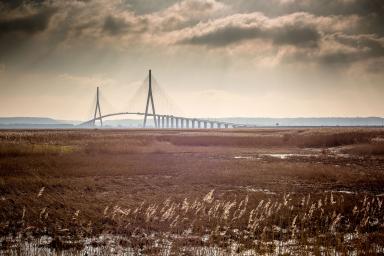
340, 51
324, 7
115, 26
290, 35
28, 24
224, 36
371, 11
361, 47
18, 30
14, 4
369, 44
304, 36
148, 6
246, 27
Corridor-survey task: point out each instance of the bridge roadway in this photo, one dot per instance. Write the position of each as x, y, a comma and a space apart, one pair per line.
170, 121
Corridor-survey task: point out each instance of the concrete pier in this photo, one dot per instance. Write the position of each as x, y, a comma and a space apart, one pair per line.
163, 122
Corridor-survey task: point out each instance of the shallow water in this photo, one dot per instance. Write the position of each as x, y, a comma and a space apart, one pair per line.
291, 155
287, 155
274, 155
110, 245
259, 190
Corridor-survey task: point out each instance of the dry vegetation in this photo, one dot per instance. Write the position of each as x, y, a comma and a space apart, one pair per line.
192, 192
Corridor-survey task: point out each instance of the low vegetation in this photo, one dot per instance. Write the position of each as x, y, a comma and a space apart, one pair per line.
245, 192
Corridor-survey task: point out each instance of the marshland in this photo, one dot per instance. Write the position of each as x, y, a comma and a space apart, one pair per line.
312, 191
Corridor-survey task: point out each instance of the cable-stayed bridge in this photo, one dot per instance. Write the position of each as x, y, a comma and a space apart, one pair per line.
160, 120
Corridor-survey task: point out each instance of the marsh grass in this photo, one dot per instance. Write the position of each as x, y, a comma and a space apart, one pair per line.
24, 149
326, 223
370, 149
174, 193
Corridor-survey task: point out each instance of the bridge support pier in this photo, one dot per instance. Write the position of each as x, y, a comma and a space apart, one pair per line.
181, 123
198, 124
219, 125
187, 123
172, 121
158, 121
211, 124
205, 124
163, 122
226, 126
177, 122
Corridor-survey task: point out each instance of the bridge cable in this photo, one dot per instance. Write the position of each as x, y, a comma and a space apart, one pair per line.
163, 101
136, 103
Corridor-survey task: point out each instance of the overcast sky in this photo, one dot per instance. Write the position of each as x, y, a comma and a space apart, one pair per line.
259, 58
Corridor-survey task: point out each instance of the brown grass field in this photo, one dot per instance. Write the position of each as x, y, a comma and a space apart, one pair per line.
301, 191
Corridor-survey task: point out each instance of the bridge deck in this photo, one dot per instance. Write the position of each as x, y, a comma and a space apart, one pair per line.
171, 121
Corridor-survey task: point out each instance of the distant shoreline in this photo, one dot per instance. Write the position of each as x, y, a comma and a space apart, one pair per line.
259, 122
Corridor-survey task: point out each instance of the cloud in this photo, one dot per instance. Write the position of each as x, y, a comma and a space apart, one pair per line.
285, 31
293, 38
179, 15
120, 25
20, 24
338, 51
2, 68
297, 29
321, 8
142, 7
355, 48
28, 24
115, 26
370, 12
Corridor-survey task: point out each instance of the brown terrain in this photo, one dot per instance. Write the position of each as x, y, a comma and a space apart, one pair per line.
192, 192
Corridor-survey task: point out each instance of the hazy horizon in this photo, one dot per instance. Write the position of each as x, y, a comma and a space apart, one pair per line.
132, 117
266, 58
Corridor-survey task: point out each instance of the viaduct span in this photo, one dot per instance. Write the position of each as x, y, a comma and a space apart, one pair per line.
160, 120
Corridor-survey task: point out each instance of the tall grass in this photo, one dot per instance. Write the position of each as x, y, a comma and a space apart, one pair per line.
23, 149
326, 223
174, 193
367, 149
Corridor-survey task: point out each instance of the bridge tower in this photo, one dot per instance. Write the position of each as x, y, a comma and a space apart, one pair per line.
150, 101
97, 109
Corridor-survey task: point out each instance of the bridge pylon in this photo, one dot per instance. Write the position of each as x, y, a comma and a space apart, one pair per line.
150, 101
97, 109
